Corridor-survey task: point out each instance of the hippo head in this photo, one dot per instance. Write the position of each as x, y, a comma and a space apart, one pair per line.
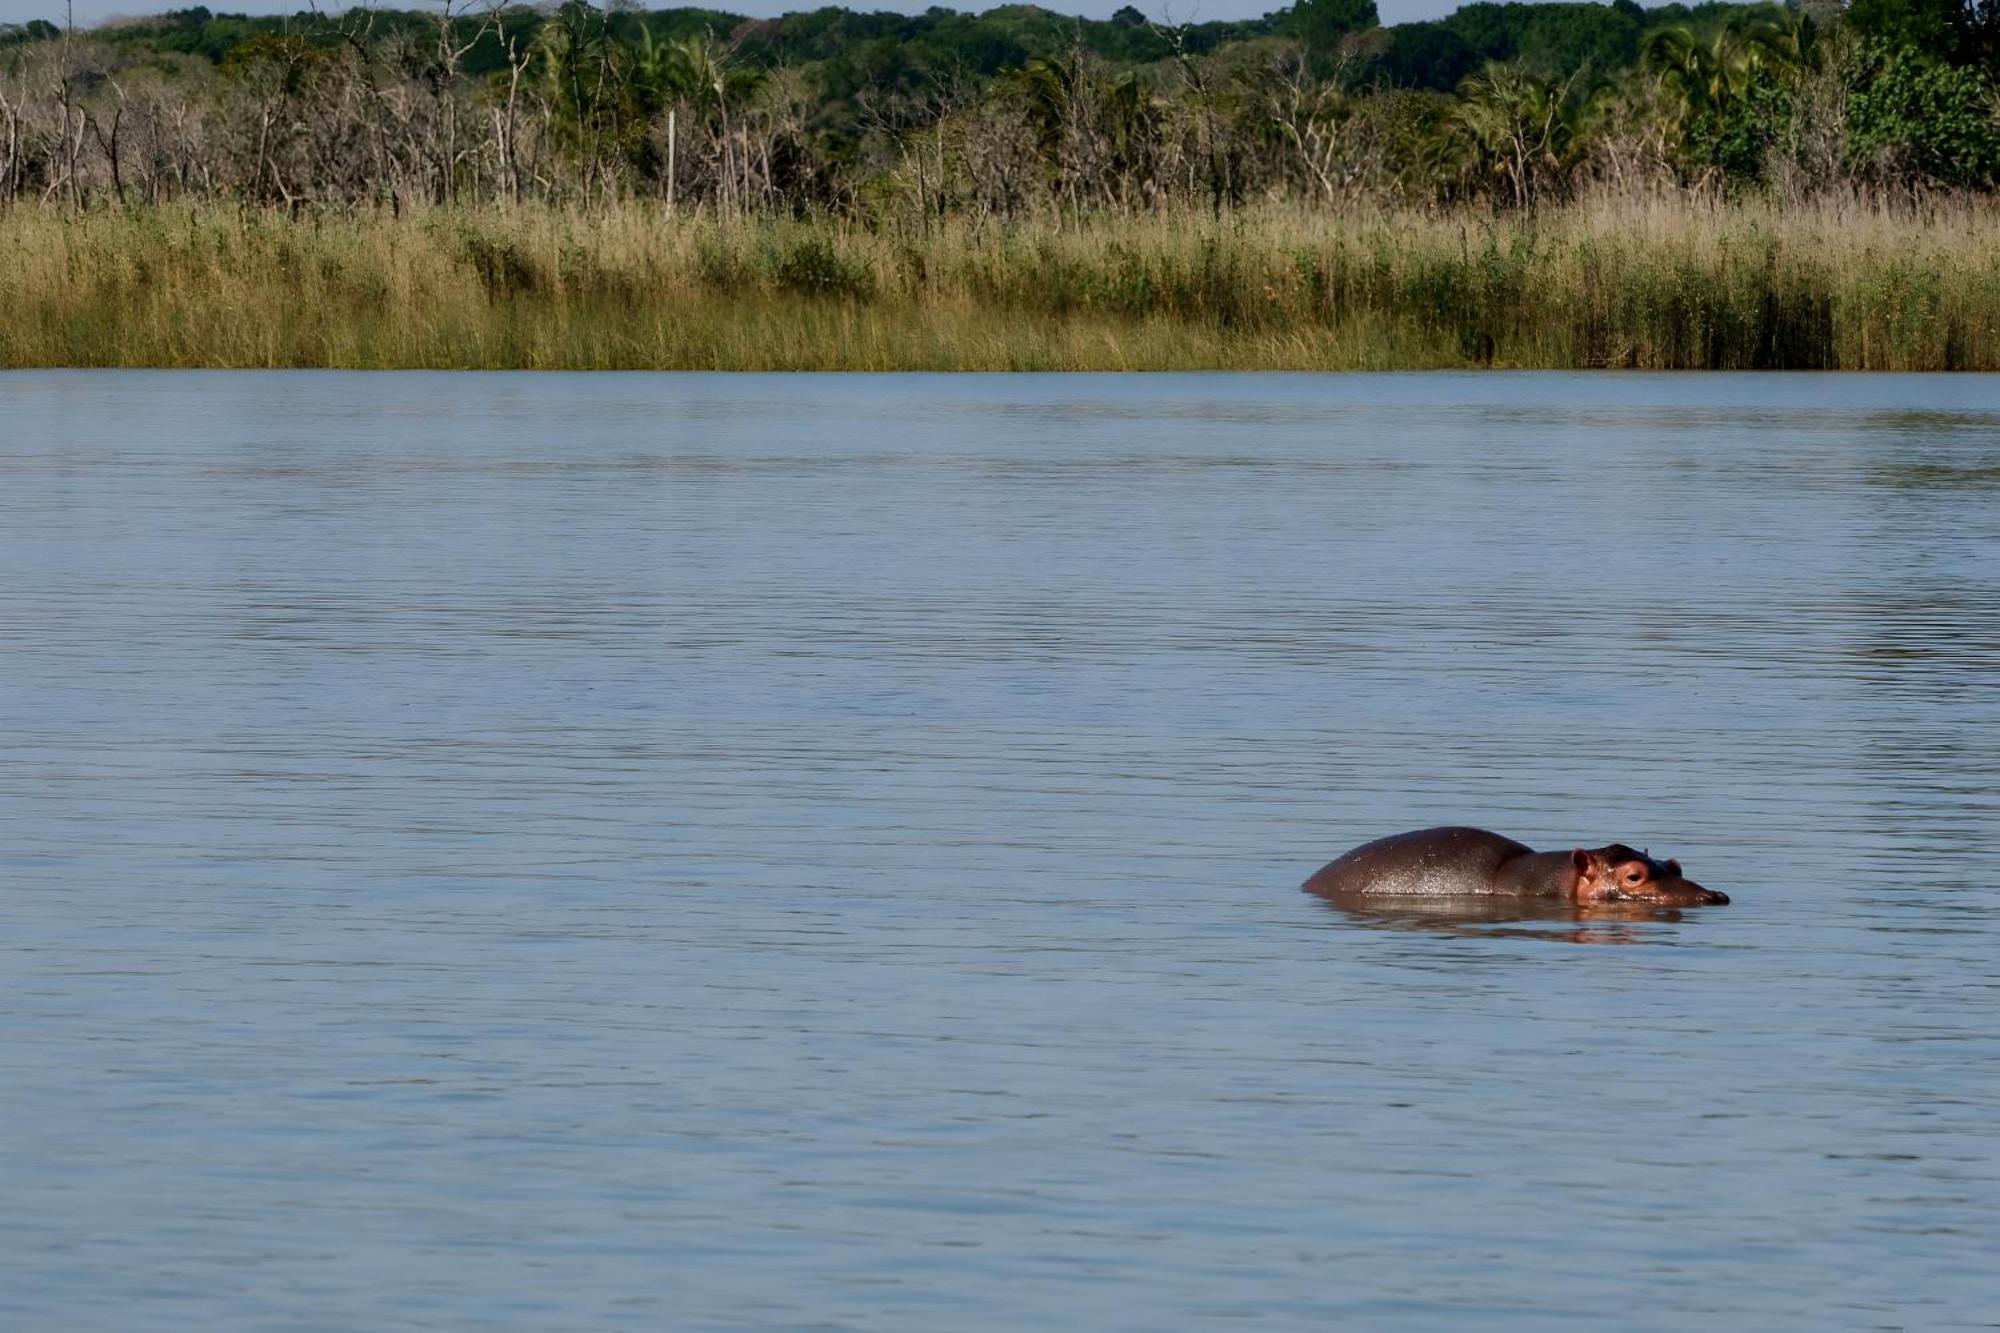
1619, 874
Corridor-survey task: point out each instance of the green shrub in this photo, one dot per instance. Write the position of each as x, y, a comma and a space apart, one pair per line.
1913, 121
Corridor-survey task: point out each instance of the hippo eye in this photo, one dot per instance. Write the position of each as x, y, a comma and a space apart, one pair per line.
1634, 875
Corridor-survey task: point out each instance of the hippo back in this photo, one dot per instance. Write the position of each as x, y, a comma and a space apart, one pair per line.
1433, 862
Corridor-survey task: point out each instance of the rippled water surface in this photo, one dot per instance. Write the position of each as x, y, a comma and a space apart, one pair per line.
542, 853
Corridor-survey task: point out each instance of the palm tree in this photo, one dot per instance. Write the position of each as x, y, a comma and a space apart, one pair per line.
1709, 81
697, 74
1521, 125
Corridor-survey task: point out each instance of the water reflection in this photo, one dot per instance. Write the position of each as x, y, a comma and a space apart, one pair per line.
1488, 917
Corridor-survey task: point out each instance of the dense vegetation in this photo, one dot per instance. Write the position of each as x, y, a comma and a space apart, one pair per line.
1517, 184
1010, 113
1670, 283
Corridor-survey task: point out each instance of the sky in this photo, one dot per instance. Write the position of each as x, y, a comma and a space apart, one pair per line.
1176, 11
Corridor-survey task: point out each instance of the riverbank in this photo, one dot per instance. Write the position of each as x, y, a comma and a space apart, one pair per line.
1646, 285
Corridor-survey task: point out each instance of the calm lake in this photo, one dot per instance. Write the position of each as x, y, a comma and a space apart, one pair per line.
535, 852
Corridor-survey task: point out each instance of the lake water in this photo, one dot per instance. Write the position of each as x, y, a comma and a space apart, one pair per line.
657, 852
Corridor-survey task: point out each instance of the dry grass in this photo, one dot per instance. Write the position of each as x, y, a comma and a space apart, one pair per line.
1664, 284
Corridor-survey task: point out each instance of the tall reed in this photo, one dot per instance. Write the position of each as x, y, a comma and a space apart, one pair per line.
1663, 284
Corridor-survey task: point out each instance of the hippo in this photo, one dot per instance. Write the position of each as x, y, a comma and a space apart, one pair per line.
1468, 862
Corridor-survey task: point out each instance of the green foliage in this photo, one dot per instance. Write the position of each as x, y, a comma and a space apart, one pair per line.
286, 62
1731, 89
1521, 127
1929, 26
1558, 41
1492, 30
34, 30
1505, 103
1965, 32
1917, 121
1425, 55
1738, 138
810, 265
1321, 24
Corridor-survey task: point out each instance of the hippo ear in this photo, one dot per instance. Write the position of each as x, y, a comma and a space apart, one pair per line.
1580, 861
1673, 867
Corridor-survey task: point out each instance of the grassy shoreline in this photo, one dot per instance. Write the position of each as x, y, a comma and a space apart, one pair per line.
1641, 284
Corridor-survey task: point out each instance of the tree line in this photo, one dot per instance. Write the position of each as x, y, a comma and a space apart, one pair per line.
1012, 112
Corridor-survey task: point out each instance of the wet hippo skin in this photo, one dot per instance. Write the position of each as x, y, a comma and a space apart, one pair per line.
1462, 862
